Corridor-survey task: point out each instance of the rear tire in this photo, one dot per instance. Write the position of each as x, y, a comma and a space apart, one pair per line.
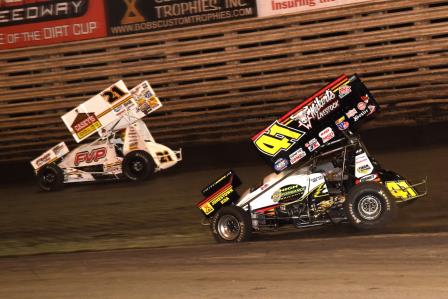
369, 205
138, 166
50, 177
231, 224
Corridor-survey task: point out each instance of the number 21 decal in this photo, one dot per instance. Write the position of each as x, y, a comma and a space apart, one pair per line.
164, 157
277, 138
113, 94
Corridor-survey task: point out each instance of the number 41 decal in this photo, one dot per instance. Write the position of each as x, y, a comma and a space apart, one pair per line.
277, 138
401, 189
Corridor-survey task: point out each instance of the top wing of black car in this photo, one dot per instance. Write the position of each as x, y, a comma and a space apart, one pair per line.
341, 105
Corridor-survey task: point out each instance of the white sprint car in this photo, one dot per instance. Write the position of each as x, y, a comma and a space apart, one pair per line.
125, 148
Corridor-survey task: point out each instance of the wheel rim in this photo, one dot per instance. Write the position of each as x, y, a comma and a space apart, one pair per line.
369, 207
49, 178
229, 227
137, 166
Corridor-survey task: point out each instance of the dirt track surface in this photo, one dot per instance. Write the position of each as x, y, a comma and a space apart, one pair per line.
393, 266
408, 259
162, 212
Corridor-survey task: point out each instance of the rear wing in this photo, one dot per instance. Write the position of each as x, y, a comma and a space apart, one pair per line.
219, 193
53, 154
343, 104
112, 109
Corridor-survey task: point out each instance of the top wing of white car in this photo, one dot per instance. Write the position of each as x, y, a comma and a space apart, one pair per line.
112, 109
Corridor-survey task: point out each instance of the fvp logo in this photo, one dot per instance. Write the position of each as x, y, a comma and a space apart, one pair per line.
88, 157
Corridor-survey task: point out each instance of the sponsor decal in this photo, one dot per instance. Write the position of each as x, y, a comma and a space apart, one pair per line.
365, 98
222, 197
147, 105
352, 112
133, 138
342, 123
317, 178
211, 186
113, 94
85, 123
312, 145
277, 138
364, 169
126, 107
372, 108
363, 166
281, 164
319, 108
361, 106
288, 193
217, 199
88, 157
297, 156
401, 189
164, 157
207, 208
361, 157
369, 177
360, 115
344, 90
143, 105
58, 148
50, 156
113, 167
326, 134
43, 160
146, 100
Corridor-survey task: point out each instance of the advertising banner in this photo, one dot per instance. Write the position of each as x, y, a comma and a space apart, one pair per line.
267, 8
26, 23
134, 16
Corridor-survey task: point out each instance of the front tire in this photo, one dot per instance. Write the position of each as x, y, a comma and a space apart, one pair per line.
50, 177
369, 205
138, 166
231, 224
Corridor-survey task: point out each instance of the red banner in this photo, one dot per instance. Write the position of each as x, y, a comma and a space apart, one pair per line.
26, 23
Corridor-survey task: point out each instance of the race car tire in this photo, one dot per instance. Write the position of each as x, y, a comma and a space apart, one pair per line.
231, 224
369, 205
138, 166
50, 177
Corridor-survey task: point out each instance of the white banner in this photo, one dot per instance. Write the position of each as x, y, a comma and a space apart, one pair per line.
267, 8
